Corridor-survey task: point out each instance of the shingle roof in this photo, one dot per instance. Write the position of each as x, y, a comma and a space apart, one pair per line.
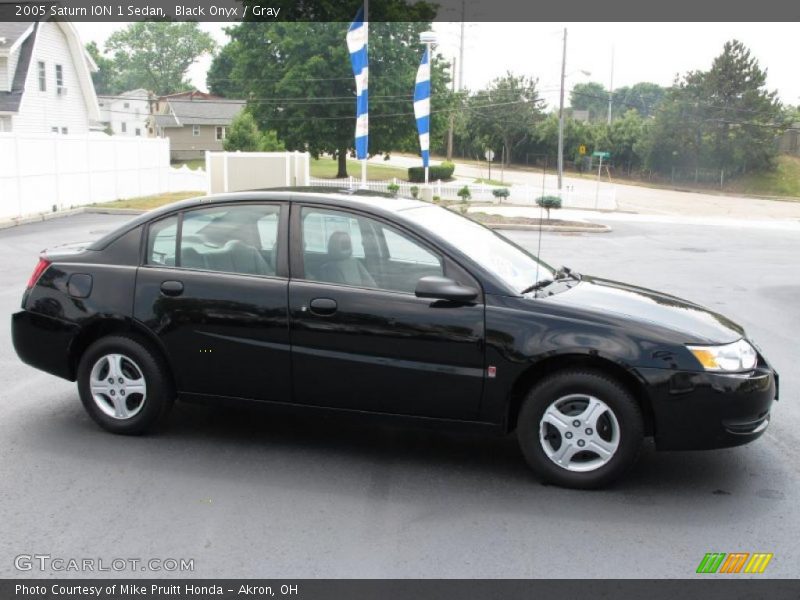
9, 101
10, 32
166, 121
205, 112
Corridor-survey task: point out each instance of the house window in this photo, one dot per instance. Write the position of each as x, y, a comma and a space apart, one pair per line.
195, 130
42, 77
59, 77
124, 127
5, 123
64, 131
138, 131
54, 129
127, 105
220, 133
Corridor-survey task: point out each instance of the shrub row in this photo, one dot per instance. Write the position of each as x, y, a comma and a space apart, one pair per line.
443, 171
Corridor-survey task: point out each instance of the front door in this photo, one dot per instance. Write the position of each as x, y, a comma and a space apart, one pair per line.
213, 288
360, 337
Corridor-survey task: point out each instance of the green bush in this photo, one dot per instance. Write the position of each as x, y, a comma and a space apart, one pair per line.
464, 193
393, 188
501, 193
414, 191
443, 171
437, 199
548, 202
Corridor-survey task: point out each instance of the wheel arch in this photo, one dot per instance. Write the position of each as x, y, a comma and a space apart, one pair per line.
103, 327
545, 367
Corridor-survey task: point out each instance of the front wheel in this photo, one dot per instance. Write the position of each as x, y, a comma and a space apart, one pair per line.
580, 429
123, 386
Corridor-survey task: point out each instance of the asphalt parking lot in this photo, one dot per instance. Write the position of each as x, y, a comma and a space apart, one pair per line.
250, 493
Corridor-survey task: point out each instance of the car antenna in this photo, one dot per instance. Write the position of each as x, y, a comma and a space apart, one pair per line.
539, 243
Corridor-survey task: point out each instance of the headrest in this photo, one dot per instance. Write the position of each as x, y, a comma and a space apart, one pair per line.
339, 246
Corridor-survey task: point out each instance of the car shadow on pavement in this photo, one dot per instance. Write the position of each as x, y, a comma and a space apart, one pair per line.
342, 455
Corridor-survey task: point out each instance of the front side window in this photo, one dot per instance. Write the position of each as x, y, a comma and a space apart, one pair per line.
350, 249
42, 76
230, 239
513, 265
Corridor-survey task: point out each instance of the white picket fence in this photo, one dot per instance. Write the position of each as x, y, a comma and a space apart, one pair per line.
41, 173
601, 198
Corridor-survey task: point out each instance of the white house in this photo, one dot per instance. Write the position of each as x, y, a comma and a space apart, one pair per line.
45, 79
126, 113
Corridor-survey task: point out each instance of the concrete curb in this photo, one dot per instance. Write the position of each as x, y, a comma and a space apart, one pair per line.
68, 213
552, 228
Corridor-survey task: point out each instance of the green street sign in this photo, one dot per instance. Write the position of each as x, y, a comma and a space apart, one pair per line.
602, 154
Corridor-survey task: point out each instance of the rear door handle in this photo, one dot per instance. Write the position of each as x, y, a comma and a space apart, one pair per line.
322, 307
171, 288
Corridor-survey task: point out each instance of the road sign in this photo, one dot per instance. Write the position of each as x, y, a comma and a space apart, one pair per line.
581, 149
489, 155
602, 154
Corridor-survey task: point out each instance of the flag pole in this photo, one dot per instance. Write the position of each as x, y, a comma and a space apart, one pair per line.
430, 66
364, 160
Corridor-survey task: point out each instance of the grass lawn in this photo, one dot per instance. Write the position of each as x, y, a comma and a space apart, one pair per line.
493, 182
325, 168
193, 164
783, 181
148, 202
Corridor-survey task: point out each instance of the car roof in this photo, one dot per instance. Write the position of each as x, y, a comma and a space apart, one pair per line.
377, 202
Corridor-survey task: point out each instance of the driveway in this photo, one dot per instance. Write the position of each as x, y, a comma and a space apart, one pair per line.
273, 494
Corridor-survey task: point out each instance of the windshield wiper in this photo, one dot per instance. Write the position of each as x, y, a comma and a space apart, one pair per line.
537, 286
565, 272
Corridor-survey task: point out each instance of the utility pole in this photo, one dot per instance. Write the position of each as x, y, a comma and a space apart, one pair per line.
460, 63
561, 114
611, 85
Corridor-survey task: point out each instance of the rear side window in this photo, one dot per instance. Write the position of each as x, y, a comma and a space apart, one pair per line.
162, 242
238, 239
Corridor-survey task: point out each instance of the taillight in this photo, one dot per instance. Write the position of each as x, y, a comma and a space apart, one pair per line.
41, 267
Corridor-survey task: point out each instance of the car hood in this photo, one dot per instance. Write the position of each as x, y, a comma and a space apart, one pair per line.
693, 323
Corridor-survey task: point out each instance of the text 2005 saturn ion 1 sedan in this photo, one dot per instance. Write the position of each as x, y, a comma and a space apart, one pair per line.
368, 303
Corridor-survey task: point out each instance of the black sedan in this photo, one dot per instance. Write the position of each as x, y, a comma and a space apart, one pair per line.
367, 303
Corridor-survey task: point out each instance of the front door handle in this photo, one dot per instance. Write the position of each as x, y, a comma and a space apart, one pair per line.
322, 307
171, 288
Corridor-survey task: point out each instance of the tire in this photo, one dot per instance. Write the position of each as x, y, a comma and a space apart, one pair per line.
601, 419
137, 374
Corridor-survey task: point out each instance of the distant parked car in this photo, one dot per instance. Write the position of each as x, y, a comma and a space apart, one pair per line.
368, 303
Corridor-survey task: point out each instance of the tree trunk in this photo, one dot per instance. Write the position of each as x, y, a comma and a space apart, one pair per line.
342, 158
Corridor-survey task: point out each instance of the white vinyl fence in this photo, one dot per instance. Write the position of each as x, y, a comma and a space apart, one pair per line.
47, 172
601, 198
237, 171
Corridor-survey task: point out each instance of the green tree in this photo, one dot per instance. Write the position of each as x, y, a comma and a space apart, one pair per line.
245, 136
591, 96
156, 55
503, 114
104, 78
643, 97
298, 79
723, 119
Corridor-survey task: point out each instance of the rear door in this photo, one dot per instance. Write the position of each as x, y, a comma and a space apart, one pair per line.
361, 339
213, 287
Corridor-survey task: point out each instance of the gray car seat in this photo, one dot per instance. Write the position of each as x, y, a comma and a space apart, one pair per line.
234, 257
341, 266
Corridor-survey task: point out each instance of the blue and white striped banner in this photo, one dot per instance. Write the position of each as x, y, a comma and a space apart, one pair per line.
357, 37
422, 106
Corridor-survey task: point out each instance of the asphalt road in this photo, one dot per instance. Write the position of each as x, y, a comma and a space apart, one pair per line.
255, 493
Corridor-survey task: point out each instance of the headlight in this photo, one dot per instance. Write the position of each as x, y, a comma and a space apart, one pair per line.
738, 356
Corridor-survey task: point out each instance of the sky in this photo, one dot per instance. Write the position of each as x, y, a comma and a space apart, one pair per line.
653, 52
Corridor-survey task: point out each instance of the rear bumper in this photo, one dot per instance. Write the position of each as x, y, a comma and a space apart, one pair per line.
44, 342
700, 411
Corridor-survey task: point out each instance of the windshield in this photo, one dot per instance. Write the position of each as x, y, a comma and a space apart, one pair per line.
493, 252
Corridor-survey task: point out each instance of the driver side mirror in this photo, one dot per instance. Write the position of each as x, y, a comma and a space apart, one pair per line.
443, 288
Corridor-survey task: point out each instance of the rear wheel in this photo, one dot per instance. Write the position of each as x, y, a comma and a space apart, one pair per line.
580, 429
123, 386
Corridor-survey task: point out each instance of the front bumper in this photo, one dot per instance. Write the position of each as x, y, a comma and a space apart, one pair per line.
702, 410
44, 342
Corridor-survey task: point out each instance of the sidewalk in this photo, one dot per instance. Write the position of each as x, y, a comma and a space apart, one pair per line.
638, 199
623, 217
